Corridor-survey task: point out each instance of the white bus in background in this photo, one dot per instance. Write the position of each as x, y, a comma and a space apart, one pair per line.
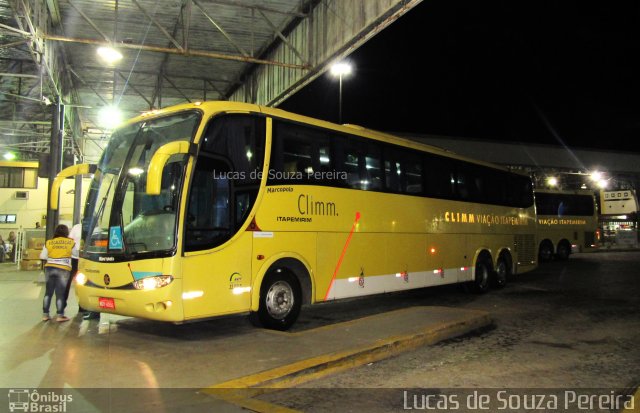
619, 218
567, 221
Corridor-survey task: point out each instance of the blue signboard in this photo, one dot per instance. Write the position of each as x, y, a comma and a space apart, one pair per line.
115, 238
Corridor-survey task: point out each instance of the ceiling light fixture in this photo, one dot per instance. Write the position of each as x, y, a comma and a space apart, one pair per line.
109, 54
110, 117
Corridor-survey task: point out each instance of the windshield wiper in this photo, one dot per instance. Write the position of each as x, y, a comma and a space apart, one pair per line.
100, 211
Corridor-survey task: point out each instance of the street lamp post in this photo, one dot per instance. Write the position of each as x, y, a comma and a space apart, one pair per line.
340, 69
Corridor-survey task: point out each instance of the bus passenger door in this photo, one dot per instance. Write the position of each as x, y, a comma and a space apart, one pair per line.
217, 259
218, 282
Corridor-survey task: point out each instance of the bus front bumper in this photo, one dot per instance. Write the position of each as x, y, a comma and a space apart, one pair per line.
163, 304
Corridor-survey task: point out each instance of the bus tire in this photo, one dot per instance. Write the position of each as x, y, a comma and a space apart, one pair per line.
545, 252
502, 273
280, 301
563, 251
482, 280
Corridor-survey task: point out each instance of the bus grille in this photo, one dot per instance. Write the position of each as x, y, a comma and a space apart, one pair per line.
525, 246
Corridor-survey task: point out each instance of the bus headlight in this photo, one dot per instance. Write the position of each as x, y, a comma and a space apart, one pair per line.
151, 283
81, 279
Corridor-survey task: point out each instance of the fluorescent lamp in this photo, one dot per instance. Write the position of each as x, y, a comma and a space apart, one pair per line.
109, 54
110, 117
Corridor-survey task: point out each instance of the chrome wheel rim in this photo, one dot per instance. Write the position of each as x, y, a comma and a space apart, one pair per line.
279, 300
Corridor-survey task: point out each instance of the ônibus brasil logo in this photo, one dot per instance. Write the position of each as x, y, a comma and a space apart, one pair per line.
27, 400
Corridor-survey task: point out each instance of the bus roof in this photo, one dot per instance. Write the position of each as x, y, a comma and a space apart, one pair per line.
212, 107
565, 191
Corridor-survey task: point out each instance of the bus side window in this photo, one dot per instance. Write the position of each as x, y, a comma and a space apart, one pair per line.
480, 178
392, 171
239, 139
412, 174
373, 170
299, 153
462, 182
324, 157
438, 177
495, 189
563, 209
296, 156
348, 161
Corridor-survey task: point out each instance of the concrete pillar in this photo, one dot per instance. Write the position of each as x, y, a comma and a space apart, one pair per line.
55, 161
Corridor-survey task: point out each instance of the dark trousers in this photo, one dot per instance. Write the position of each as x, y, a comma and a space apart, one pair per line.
74, 270
55, 282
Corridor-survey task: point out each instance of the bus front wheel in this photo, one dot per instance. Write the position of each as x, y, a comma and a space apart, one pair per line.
280, 301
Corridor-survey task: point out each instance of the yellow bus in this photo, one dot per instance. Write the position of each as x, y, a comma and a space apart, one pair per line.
216, 208
567, 222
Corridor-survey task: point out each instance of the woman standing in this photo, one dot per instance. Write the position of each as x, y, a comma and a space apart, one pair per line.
11, 242
57, 252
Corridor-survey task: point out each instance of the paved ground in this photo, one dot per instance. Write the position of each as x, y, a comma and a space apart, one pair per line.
564, 326
132, 365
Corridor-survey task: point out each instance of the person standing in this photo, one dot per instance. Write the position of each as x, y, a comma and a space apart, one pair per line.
57, 253
76, 235
11, 241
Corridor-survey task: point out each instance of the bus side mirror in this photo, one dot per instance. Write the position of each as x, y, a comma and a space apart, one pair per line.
73, 170
159, 160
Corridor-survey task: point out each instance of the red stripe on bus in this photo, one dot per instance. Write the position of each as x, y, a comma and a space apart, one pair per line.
344, 250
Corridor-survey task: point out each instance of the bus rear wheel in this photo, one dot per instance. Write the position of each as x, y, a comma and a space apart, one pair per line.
564, 250
280, 301
502, 273
480, 284
545, 253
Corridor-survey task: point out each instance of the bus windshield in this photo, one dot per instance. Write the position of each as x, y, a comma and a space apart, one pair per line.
120, 218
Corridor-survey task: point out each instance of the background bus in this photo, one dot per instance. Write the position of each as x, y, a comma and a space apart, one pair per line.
619, 218
567, 222
218, 208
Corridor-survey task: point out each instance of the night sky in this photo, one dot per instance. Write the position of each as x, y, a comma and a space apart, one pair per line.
549, 72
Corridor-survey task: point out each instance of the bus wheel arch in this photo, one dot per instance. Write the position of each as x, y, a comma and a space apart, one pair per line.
563, 250
503, 269
302, 273
283, 288
545, 250
482, 272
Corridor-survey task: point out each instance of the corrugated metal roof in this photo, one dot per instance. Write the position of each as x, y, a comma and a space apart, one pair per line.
155, 70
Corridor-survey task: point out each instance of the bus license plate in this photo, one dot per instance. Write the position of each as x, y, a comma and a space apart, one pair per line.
106, 303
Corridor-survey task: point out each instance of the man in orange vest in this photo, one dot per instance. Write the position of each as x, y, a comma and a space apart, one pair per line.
57, 253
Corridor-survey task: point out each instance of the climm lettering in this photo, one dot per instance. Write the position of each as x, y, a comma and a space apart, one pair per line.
307, 206
484, 219
459, 217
